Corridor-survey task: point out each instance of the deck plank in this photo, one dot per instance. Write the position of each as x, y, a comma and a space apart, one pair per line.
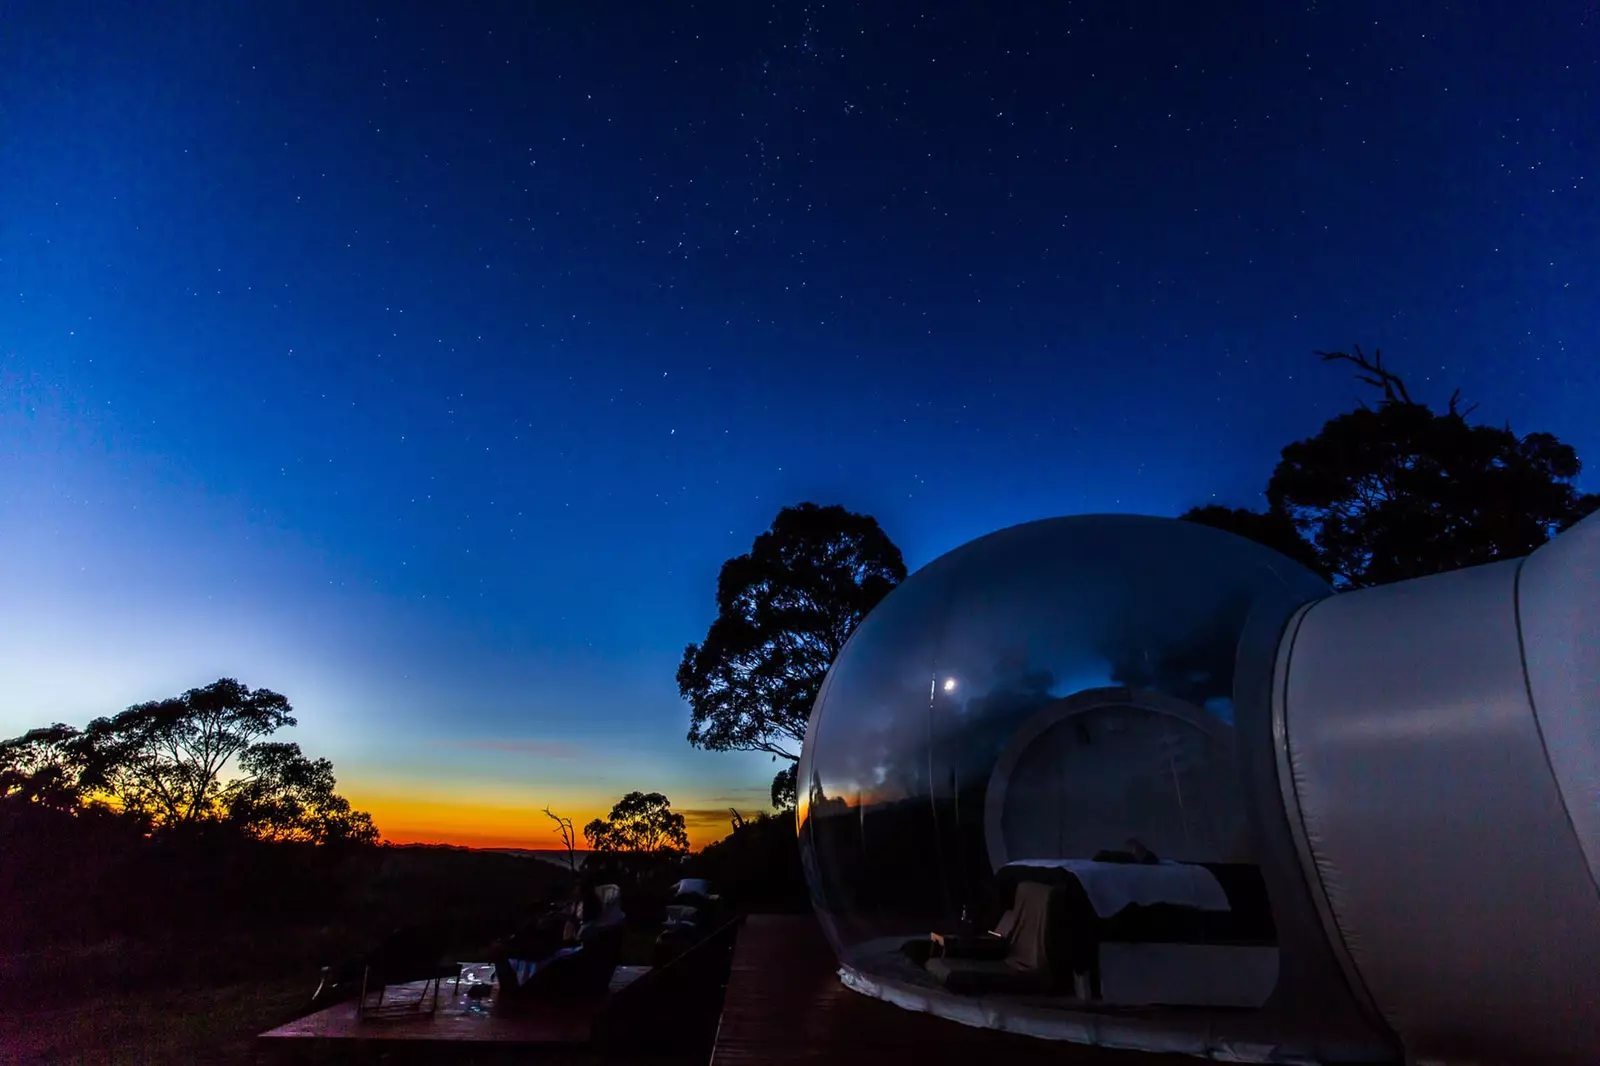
459, 1018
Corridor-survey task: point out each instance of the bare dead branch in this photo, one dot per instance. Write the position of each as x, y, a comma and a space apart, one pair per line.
569, 838
1374, 373
1456, 410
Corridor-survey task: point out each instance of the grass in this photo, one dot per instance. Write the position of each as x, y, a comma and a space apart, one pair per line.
216, 1025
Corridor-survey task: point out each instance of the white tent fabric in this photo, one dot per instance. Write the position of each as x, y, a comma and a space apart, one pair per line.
1430, 817
1558, 606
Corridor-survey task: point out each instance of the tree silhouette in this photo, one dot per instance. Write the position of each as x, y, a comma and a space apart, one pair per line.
163, 758
1273, 528
286, 796
1400, 491
783, 787
641, 823
43, 767
196, 758
757, 865
784, 612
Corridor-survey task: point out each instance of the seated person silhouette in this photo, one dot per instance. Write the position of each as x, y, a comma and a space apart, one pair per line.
572, 952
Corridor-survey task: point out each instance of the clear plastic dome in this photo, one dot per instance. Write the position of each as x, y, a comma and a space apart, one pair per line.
1051, 703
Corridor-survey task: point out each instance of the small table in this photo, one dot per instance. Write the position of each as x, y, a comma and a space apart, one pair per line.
969, 945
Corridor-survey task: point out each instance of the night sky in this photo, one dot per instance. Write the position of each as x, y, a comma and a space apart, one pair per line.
425, 365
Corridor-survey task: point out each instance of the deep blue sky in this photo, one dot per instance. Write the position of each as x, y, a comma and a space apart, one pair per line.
425, 365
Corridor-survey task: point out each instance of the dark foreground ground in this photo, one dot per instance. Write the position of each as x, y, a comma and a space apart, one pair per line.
166, 1026
204, 995
783, 1005
118, 947
149, 969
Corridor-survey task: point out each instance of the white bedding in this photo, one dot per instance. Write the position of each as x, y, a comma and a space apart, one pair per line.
1112, 886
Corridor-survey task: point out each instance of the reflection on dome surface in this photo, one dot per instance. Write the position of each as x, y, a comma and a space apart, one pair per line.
1051, 706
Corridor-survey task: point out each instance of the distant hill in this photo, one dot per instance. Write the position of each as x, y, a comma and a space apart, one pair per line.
553, 856
549, 855
556, 857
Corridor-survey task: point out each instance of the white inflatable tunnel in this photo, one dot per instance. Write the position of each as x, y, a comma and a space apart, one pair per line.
1137, 782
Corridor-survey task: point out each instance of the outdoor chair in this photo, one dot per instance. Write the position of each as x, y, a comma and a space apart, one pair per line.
407, 957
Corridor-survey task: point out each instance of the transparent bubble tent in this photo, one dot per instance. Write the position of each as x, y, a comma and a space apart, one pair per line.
1137, 782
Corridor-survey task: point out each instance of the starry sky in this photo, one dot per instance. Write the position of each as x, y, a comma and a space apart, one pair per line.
425, 362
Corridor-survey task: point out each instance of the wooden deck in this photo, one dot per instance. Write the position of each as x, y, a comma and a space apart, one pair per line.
459, 1018
785, 1004
661, 1016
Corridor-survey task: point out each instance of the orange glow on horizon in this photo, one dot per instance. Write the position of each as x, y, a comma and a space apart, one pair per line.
466, 838
414, 820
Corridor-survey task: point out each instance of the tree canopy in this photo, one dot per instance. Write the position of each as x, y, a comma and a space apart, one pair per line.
42, 767
642, 824
1401, 490
784, 612
286, 796
163, 758
1273, 528
203, 756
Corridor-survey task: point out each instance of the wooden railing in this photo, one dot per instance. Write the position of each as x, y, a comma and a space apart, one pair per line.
675, 1005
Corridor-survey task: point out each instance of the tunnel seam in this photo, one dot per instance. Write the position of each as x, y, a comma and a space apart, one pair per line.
1289, 791
1538, 728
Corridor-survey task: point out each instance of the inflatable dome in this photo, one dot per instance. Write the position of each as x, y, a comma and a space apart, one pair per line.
1064, 781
